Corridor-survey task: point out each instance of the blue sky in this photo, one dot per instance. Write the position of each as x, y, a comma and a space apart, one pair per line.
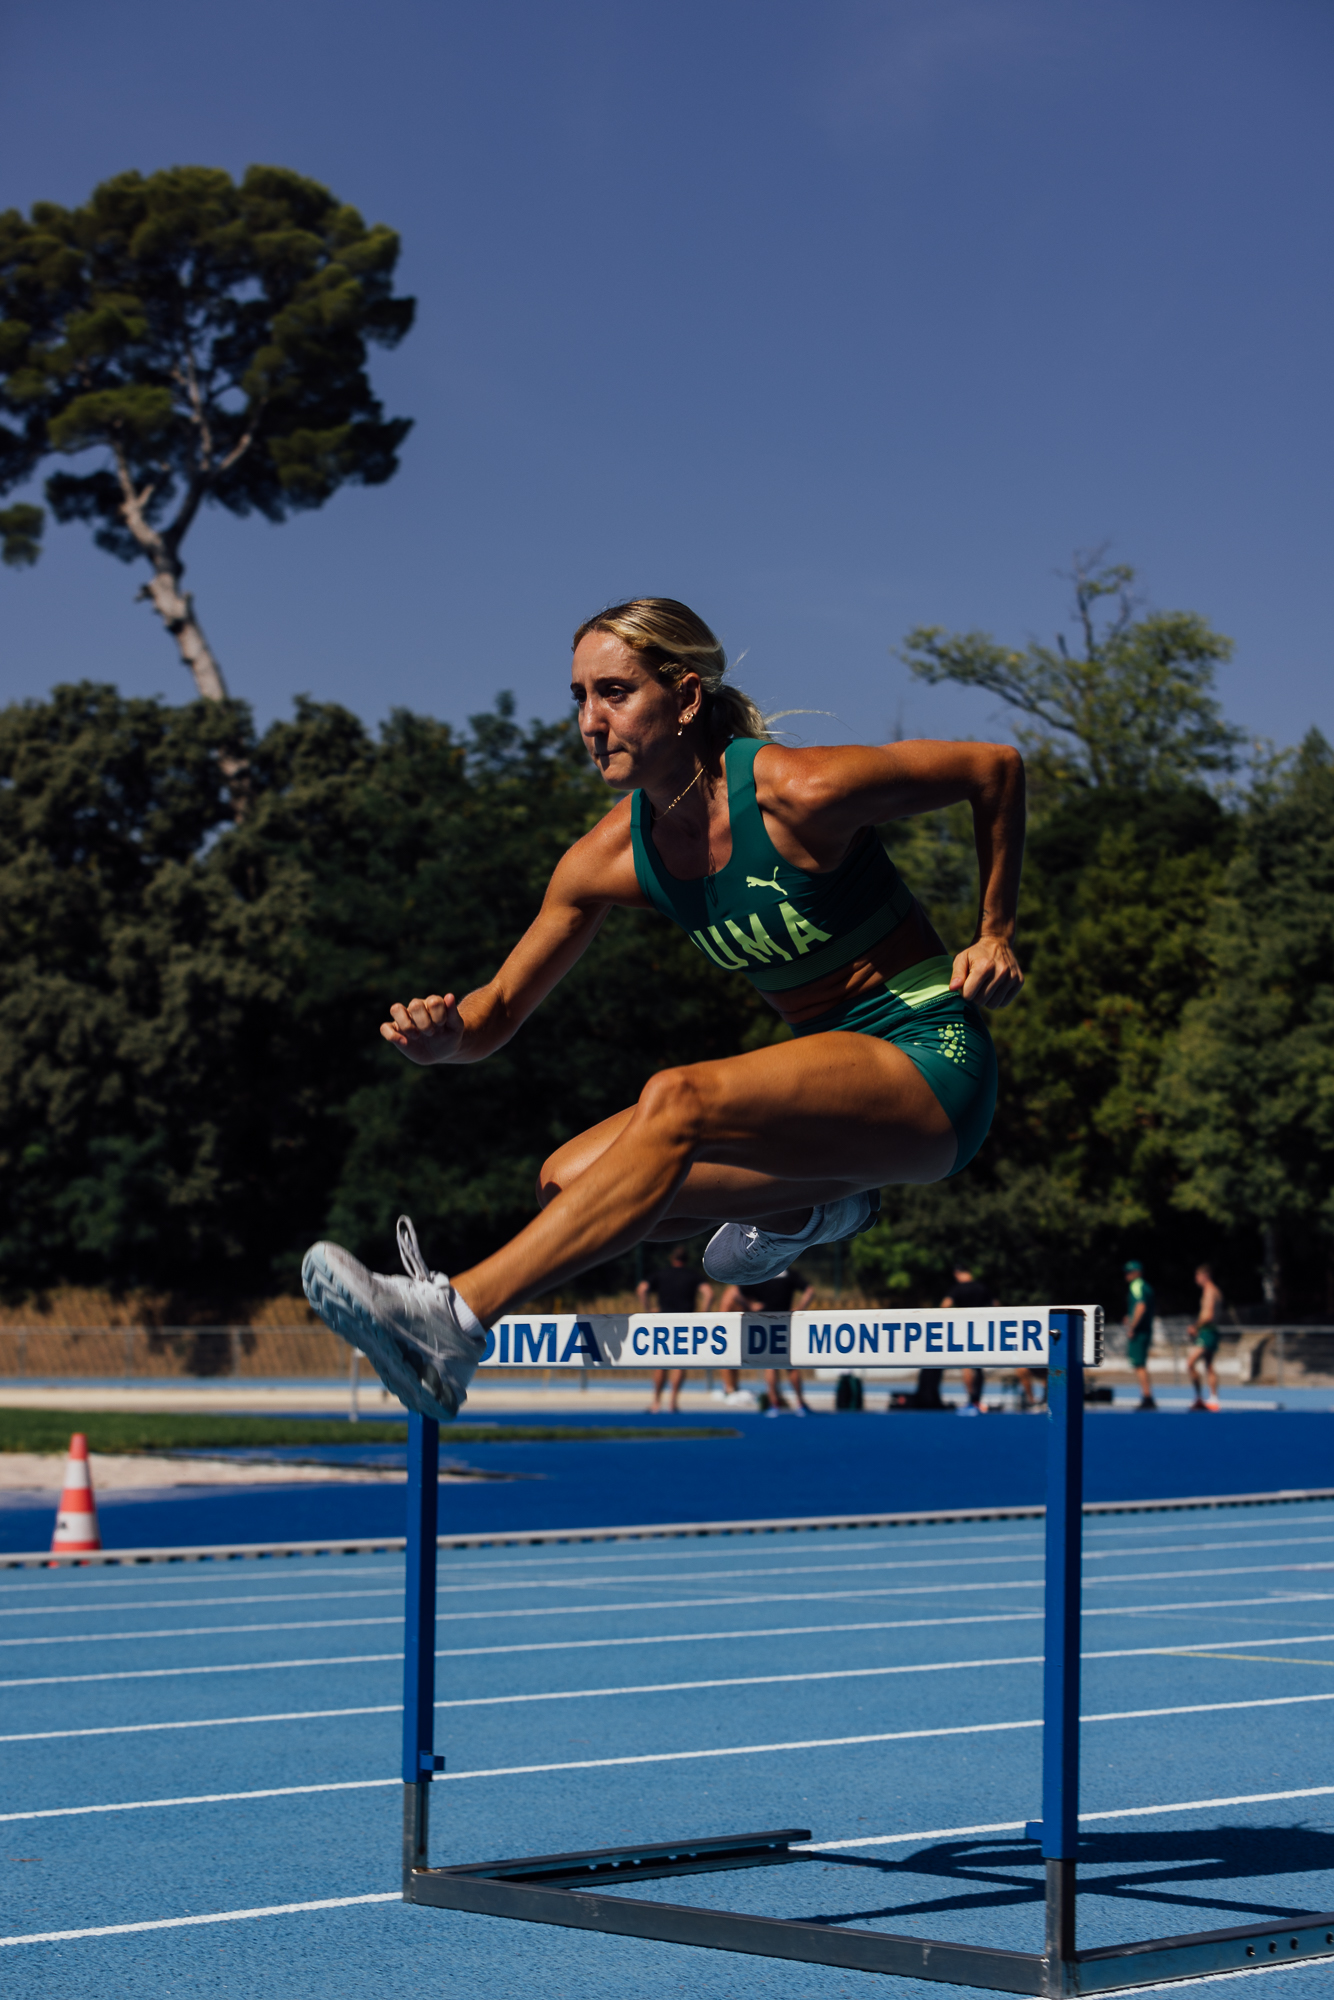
831, 319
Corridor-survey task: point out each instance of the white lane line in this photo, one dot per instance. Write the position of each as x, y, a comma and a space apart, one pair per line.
660, 1757
213, 1917
818, 1846
1270, 1602
1120, 1812
700, 1602
839, 1742
1206, 1647
931, 1562
209, 1722
214, 1631
545, 1694
194, 1603
449, 1589
1225, 1524
238, 1667
1221, 1548
922, 1833
525, 1770
837, 1543
1203, 1647
22, 1583
205, 1799
244, 1573
187, 1574
1209, 1707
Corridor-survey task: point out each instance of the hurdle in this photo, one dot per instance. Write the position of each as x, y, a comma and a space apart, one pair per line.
577, 1890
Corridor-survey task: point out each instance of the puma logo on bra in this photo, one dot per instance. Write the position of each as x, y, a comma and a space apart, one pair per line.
834, 914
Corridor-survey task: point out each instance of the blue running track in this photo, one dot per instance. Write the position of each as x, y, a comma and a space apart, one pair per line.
197, 1742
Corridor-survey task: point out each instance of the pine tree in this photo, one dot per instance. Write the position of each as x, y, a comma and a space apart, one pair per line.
206, 340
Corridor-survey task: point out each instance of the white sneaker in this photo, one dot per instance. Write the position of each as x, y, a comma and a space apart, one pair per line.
741, 1253
412, 1330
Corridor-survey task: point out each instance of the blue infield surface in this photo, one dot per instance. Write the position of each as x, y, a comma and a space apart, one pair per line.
768, 1469
200, 1763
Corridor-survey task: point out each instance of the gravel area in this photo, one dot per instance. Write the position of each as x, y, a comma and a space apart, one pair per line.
44, 1472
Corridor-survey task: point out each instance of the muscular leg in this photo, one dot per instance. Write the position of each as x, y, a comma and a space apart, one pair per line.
711, 1193
836, 1112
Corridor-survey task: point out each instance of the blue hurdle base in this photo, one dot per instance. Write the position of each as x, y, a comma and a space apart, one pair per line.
578, 1890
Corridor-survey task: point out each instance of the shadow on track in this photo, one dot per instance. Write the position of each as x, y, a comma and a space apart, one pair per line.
1137, 1867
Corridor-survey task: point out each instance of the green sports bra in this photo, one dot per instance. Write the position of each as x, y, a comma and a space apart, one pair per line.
780, 925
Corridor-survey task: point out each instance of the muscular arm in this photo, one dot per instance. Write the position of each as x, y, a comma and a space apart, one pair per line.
823, 798
597, 873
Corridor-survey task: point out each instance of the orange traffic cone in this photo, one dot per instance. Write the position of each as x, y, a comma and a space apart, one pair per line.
76, 1523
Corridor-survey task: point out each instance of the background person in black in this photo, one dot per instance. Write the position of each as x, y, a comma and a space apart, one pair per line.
969, 1291
678, 1288
788, 1292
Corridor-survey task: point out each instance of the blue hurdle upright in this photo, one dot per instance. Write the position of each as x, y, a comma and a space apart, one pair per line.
578, 1890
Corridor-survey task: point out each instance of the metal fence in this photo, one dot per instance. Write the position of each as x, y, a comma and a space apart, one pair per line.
168, 1353
1274, 1355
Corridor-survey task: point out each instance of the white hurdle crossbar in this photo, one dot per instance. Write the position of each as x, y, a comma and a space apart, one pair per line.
852, 1336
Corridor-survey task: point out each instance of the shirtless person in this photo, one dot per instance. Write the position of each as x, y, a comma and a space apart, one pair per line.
1205, 1330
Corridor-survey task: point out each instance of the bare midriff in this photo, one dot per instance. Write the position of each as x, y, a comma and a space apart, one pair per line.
907, 944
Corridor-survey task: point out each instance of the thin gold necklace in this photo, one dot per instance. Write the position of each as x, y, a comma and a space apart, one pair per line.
680, 795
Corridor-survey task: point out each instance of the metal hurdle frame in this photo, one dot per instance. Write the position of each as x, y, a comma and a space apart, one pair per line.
572, 1889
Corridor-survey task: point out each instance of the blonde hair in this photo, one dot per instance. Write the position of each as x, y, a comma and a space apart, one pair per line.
672, 640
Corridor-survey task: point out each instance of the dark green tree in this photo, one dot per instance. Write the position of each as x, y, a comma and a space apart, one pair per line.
1118, 887
192, 1085
1127, 846
126, 979
1133, 705
1248, 1087
206, 341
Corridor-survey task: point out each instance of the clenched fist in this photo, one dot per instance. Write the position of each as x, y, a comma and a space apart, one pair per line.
427, 1031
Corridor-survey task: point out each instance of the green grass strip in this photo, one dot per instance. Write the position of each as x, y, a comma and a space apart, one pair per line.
160, 1430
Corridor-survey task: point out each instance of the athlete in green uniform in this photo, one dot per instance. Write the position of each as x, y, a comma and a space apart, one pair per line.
769, 859
1139, 1329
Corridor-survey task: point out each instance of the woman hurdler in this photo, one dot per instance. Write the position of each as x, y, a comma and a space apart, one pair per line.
769, 859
